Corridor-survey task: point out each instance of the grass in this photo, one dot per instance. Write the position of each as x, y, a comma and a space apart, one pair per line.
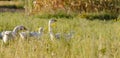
92, 39
58, 15
100, 16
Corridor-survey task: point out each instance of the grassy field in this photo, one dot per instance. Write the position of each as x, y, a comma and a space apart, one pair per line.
92, 39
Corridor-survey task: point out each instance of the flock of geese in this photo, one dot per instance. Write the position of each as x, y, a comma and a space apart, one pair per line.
8, 35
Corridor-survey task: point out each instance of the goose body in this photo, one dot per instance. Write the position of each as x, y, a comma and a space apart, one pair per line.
28, 34
67, 36
57, 35
7, 35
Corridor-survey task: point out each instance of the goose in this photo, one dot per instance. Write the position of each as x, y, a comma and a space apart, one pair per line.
58, 35
52, 36
7, 35
27, 34
67, 36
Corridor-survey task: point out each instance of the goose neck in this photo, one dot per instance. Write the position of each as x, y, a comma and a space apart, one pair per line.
50, 31
15, 30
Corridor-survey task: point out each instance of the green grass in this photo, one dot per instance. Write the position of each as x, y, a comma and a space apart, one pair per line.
101, 16
91, 38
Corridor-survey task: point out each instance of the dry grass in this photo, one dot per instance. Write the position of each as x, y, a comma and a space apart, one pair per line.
76, 5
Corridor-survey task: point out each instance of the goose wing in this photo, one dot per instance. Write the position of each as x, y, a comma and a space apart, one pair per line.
34, 34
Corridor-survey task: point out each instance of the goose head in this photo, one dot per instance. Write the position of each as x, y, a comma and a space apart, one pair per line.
19, 28
52, 21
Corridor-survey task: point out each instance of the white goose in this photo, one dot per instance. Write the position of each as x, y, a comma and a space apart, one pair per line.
7, 35
28, 34
52, 36
57, 35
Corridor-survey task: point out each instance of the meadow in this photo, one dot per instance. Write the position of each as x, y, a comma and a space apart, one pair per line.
92, 38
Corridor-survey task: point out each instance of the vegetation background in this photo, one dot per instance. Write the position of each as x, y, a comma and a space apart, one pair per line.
102, 9
95, 23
